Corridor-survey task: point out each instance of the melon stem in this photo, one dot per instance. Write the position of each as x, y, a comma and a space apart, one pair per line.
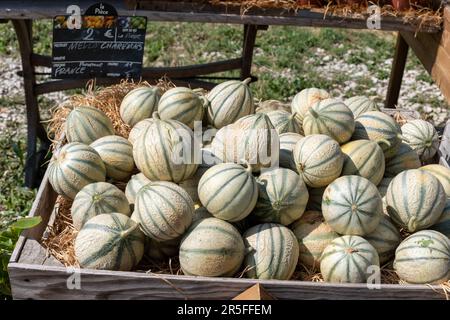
155, 115
247, 80
384, 141
127, 232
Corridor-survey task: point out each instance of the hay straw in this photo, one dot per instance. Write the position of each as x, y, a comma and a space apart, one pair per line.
421, 17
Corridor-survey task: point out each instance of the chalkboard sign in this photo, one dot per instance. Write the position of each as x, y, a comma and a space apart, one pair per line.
101, 45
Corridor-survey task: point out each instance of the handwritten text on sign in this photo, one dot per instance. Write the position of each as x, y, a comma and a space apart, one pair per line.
103, 46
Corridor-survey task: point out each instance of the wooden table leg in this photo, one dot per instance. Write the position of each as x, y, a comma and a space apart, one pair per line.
398, 68
247, 50
35, 130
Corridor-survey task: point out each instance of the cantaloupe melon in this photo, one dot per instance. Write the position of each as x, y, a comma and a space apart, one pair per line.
378, 126
282, 197
348, 259
319, 160
109, 241
165, 151
285, 122
229, 101
352, 205
267, 106
405, 158
272, 252
423, 257
199, 256
441, 173
228, 191
363, 158
251, 139
139, 104
360, 104
74, 166
415, 200
135, 184
163, 210
422, 137
138, 129
117, 155
385, 239
97, 198
182, 104
313, 235
305, 99
330, 117
86, 124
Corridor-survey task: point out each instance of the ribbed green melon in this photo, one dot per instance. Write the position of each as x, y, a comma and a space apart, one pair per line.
272, 252
138, 129
139, 104
405, 158
229, 101
285, 122
251, 139
422, 137
443, 224
272, 105
282, 197
135, 184
360, 105
156, 151
378, 126
287, 145
202, 256
313, 235
97, 198
319, 160
163, 209
117, 155
191, 185
74, 166
415, 200
441, 173
423, 257
305, 99
87, 124
181, 104
160, 251
347, 259
363, 158
109, 241
330, 117
352, 205
315, 199
385, 239
228, 191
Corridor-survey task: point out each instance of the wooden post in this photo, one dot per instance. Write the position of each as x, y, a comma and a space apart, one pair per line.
398, 67
247, 50
35, 130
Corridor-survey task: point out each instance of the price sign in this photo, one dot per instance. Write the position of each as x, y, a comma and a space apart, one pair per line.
97, 44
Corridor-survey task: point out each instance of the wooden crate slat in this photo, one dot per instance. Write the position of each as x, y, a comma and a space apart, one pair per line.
49, 282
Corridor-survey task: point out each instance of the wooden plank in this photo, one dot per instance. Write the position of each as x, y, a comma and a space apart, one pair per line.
49, 282
434, 53
398, 67
42, 206
34, 253
203, 12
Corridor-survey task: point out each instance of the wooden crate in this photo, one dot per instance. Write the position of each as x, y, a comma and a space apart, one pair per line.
35, 275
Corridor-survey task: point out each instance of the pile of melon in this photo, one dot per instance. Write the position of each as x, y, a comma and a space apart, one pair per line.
336, 187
